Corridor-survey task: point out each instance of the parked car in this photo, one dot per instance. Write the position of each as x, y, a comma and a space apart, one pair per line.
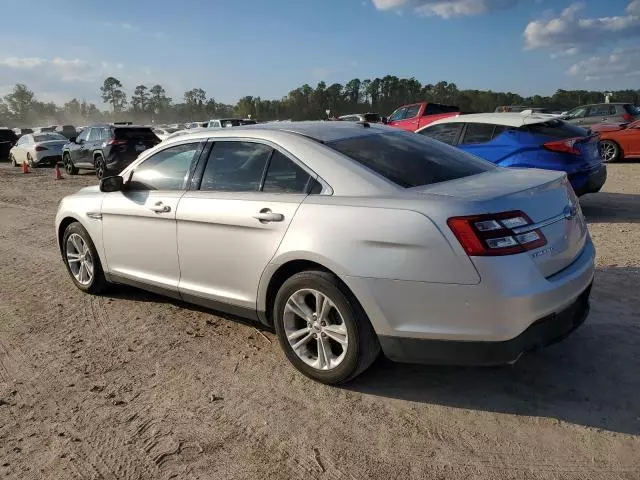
618, 141
107, 149
8, 139
69, 131
196, 125
417, 115
38, 149
22, 131
346, 238
362, 117
531, 141
163, 133
224, 122
588, 115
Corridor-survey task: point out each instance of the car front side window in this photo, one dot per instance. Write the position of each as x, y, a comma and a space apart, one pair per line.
397, 115
167, 169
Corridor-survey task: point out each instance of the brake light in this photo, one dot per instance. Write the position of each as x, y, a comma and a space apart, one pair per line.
40, 148
493, 234
564, 146
117, 142
627, 117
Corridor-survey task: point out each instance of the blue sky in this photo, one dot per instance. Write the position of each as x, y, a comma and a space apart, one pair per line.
268, 47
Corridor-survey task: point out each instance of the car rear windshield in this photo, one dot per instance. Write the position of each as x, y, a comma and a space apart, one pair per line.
410, 160
144, 133
632, 110
68, 128
47, 137
554, 129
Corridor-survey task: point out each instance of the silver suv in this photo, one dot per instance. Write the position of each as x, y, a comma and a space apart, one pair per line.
602, 113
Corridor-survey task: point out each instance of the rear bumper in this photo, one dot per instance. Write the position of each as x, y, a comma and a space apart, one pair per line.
590, 182
48, 160
547, 330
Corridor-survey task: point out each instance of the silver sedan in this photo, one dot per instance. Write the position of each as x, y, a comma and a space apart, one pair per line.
347, 239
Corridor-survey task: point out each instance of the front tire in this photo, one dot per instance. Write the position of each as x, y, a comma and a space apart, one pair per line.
30, 161
609, 151
322, 328
82, 260
13, 160
69, 167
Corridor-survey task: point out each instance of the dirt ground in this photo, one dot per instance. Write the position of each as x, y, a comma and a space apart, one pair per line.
134, 386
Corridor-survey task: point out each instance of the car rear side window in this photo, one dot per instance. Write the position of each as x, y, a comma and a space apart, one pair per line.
444, 132
554, 129
602, 110
94, 134
410, 160
167, 169
478, 133
285, 176
436, 109
235, 167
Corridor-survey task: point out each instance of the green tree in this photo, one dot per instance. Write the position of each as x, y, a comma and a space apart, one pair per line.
140, 99
113, 94
20, 102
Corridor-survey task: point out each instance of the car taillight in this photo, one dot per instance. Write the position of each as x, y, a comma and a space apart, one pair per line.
564, 146
493, 234
40, 148
627, 117
117, 142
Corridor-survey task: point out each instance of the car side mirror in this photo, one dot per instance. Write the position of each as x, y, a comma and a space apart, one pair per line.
385, 120
112, 184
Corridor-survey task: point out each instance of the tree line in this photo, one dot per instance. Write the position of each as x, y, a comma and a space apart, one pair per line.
151, 104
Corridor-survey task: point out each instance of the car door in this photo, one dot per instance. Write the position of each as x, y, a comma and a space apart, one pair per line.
231, 226
93, 143
629, 140
139, 222
488, 141
599, 114
409, 120
23, 147
78, 150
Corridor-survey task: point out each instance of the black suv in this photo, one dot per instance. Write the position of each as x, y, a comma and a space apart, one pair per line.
8, 139
107, 149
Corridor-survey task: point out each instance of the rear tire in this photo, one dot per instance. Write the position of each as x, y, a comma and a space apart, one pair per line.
350, 344
100, 166
69, 167
76, 244
609, 151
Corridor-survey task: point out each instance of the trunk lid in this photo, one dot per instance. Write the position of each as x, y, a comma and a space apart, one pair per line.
135, 140
545, 196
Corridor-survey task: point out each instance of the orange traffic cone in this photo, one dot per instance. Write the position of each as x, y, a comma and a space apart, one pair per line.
56, 173
25, 167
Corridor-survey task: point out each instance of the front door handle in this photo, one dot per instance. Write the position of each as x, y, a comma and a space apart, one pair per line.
159, 207
266, 215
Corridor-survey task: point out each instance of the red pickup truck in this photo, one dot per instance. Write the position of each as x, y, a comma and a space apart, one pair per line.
417, 115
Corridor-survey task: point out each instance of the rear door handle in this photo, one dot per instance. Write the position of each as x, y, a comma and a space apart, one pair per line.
159, 207
266, 215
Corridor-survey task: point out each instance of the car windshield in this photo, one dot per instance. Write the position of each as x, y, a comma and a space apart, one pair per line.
47, 137
410, 160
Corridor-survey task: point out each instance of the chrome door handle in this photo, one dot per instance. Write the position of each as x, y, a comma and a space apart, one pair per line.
266, 215
159, 207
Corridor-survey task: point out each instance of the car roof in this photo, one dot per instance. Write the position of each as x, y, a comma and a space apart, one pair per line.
507, 119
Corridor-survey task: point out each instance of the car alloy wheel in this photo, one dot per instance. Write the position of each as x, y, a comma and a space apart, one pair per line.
100, 167
315, 329
30, 160
13, 160
609, 151
80, 259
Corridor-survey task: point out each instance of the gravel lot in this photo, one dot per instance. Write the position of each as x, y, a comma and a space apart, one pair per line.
132, 385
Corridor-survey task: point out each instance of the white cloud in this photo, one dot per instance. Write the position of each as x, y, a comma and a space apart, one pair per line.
446, 8
621, 62
121, 25
24, 62
569, 33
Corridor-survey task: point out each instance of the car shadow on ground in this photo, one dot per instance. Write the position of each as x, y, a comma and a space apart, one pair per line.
607, 207
592, 378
